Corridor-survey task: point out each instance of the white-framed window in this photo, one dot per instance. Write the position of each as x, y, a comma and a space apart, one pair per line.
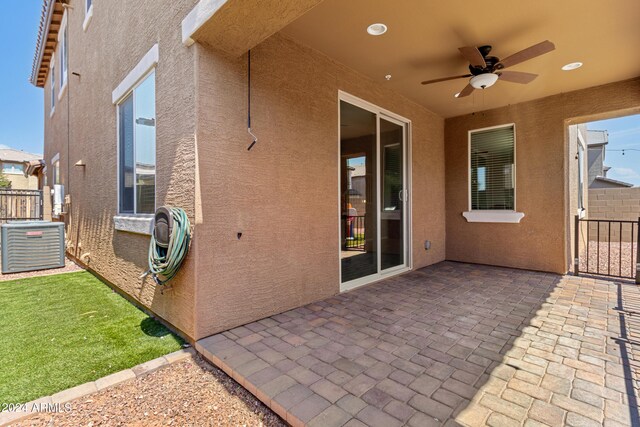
581, 148
492, 175
12, 168
137, 148
88, 14
492, 158
52, 82
63, 40
580, 177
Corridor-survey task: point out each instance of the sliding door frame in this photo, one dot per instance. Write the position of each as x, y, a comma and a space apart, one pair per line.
384, 114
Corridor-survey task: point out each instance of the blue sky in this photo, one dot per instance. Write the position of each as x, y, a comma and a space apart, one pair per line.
624, 132
21, 109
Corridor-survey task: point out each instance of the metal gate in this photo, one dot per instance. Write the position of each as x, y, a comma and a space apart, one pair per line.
607, 247
355, 233
20, 205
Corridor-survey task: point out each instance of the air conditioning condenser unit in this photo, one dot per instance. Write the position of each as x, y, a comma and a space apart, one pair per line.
32, 245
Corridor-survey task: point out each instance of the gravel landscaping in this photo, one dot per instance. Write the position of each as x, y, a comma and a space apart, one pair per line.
69, 267
186, 393
615, 263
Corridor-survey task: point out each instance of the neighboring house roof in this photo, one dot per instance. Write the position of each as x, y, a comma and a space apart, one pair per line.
12, 155
597, 137
50, 20
613, 181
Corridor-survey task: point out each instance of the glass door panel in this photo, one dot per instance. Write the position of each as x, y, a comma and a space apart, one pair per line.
358, 186
373, 194
392, 195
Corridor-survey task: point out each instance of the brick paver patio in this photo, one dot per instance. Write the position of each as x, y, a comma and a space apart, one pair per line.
448, 344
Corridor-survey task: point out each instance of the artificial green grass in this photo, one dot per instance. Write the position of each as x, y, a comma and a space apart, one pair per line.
64, 330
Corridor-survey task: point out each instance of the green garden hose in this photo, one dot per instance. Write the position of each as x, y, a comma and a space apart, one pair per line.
164, 263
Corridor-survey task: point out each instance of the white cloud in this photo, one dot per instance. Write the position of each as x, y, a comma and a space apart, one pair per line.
625, 173
626, 132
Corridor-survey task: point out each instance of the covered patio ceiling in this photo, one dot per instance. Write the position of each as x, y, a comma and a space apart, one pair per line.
423, 38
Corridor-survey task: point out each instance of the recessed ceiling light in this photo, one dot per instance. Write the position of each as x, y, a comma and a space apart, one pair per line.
388, 77
572, 66
456, 95
377, 29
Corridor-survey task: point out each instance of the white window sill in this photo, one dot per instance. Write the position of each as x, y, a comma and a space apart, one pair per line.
581, 213
87, 18
512, 217
139, 224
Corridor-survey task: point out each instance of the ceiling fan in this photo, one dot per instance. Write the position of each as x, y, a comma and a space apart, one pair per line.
486, 70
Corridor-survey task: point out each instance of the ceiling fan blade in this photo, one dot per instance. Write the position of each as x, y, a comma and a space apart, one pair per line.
473, 55
466, 91
517, 76
444, 79
526, 54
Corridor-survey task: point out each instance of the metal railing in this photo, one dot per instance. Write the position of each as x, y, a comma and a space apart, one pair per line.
18, 205
607, 247
354, 233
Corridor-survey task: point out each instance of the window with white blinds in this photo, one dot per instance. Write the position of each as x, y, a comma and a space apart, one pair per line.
493, 169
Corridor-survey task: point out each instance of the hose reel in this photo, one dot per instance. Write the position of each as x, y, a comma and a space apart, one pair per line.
163, 226
169, 243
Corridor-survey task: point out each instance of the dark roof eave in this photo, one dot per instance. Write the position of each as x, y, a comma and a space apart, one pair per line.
45, 21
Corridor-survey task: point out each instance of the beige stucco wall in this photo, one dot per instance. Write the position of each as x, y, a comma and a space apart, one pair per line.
46, 203
103, 56
614, 203
540, 241
283, 195
21, 182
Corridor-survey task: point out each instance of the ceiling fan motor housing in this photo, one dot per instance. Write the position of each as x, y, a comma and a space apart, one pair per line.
484, 50
490, 61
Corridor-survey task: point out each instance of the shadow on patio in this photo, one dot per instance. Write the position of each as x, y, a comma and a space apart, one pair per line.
448, 344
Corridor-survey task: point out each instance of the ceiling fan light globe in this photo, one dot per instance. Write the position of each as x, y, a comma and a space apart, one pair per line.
483, 81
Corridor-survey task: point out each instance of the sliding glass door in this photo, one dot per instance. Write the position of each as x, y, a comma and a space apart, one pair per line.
373, 194
392, 194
